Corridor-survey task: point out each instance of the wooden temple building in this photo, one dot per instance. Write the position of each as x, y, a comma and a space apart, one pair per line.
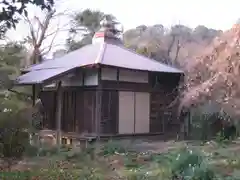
105, 89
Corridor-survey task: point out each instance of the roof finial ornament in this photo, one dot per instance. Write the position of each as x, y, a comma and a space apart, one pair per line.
109, 32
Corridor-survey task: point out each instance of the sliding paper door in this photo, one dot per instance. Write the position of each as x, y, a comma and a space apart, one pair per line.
142, 114
126, 112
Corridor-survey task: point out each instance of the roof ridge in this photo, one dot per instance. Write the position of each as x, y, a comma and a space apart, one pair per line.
100, 55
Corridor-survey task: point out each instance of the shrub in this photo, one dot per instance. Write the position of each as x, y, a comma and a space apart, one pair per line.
203, 126
13, 136
207, 122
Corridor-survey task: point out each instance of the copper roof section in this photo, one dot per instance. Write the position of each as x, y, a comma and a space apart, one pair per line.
99, 53
106, 54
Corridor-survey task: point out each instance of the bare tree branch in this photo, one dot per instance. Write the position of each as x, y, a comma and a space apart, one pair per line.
177, 51
171, 45
53, 39
31, 29
45, 50
57, 30
39, 33
44, 27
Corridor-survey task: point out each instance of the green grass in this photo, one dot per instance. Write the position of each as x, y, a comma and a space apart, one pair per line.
115, 161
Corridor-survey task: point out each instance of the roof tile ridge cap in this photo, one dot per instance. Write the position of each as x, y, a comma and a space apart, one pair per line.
48, 68
100, 55
130, 50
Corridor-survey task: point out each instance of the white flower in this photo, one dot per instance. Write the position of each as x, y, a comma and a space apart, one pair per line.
7, 110
178, 157
148, 173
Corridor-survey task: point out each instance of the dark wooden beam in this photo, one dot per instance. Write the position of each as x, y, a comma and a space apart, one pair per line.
83, 78
110, 88
118, 74
139, 70
59, 113
33, 95
134, 112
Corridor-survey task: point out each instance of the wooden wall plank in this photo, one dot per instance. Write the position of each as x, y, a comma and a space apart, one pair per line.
79, 111
89, 111
109, 115
48, 99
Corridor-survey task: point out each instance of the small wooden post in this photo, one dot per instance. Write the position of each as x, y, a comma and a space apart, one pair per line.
59, 113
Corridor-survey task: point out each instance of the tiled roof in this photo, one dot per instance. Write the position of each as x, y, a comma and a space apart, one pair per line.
39, 76
99, 53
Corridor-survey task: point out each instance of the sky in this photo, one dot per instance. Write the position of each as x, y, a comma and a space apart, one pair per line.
131, 13
212, 13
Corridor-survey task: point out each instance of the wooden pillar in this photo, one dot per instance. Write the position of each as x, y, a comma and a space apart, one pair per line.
35, 95
117, 123
59, 113
98, 108
97, 113
31, 141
